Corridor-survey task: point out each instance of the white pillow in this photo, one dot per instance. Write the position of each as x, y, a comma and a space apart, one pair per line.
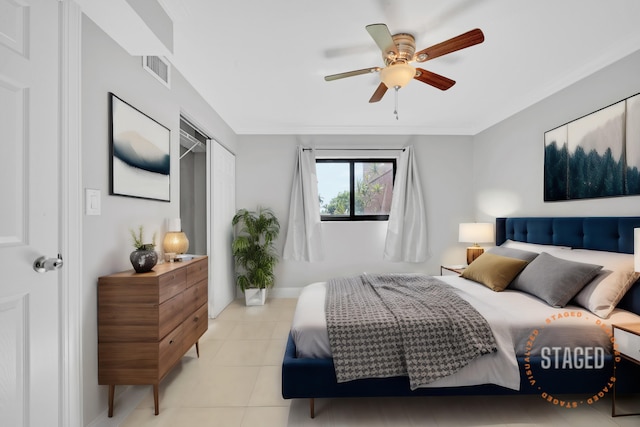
534, 247
604, 292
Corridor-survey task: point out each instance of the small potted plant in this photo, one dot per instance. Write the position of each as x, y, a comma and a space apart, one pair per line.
254, 252
144, 258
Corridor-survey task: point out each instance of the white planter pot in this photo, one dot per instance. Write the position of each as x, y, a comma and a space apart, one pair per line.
253, 296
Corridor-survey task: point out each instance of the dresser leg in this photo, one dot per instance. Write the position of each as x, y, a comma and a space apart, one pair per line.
112, 389
198, 349
155, 398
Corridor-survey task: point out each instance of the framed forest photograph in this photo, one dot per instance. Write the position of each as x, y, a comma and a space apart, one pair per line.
597, 155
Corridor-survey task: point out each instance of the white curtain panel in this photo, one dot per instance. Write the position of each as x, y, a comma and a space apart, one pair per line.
304, 233
407, 230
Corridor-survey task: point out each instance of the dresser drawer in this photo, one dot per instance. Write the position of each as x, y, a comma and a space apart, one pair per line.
194, 326
198, 271
628, 343
170, 351
195, 296
171, 284
127, 363
128, 323
170, 314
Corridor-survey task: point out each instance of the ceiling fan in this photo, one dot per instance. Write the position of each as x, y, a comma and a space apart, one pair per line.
399, 50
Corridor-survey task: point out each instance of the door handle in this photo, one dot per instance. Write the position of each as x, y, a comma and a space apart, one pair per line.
44, 264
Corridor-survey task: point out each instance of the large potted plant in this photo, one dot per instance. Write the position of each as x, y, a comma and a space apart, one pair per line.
254, 252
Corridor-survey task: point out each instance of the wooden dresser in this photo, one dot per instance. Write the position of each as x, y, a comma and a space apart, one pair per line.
148, 321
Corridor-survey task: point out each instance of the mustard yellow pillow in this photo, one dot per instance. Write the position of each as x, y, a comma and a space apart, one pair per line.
494, 271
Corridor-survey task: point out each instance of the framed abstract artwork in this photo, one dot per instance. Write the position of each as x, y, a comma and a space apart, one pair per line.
597, 155
140, 156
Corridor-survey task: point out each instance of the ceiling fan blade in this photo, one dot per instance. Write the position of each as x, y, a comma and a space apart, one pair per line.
433, 79
351, 73
462, 41
379, 93
381, 35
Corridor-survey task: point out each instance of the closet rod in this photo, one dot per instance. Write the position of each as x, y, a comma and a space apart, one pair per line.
191, 139
190, 149
354, 149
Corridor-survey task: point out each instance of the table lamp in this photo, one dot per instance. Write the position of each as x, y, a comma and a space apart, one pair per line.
175, 241
475, 232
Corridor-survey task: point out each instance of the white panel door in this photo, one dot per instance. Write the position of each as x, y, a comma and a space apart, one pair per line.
29, 213
222, 288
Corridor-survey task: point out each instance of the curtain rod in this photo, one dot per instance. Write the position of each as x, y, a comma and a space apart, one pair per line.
354, 149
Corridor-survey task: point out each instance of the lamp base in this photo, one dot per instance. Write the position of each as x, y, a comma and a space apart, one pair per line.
473, 252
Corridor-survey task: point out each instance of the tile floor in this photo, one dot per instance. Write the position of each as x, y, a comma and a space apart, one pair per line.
236, 383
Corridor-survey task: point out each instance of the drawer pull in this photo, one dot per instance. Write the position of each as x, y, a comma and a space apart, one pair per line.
195, 319
171, 342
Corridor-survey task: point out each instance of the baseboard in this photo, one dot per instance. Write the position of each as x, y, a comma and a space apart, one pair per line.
284, 292
278, 293
124, 404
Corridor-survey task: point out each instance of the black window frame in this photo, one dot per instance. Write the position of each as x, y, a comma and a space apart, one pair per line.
352, 201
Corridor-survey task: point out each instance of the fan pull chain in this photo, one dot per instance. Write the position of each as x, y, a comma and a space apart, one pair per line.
396, 105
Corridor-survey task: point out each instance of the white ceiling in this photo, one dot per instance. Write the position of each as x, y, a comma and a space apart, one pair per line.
261, 63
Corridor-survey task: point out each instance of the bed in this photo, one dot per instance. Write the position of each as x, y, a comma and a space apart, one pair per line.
309, 372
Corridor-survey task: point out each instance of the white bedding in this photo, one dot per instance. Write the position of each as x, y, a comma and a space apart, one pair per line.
512, 315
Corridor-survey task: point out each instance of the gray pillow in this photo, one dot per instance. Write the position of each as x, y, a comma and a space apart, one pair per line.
513, 253
554, 280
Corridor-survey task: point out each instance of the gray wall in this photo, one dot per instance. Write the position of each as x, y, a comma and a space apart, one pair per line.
498, 172
509, 157
106, 241
264, 170
495, 173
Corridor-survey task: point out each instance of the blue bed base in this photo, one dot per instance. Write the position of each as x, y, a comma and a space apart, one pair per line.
315, 378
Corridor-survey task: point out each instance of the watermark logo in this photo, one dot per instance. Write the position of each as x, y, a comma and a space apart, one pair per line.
581, 359
572, 358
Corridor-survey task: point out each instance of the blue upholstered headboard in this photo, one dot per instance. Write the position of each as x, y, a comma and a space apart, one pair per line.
612, 234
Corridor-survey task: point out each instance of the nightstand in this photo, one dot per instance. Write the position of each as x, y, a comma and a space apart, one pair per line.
627, 340
449, 270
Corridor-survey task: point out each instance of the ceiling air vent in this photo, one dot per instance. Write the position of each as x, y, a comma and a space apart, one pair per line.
159, 68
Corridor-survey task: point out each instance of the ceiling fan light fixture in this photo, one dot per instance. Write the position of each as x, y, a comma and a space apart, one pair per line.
397, 75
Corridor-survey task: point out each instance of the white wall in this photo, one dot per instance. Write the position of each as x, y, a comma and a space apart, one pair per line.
264, 177
509, 157
106, 241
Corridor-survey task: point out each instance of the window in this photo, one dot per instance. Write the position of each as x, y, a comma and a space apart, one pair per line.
355, 189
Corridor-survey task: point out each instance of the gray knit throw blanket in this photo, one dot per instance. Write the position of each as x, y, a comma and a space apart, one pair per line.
402, 324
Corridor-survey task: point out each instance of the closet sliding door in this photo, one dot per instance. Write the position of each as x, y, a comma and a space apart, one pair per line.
222, 208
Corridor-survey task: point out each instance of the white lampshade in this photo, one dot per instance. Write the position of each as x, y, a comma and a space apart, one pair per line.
397, 74
174, 224
636, 248
475, 232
